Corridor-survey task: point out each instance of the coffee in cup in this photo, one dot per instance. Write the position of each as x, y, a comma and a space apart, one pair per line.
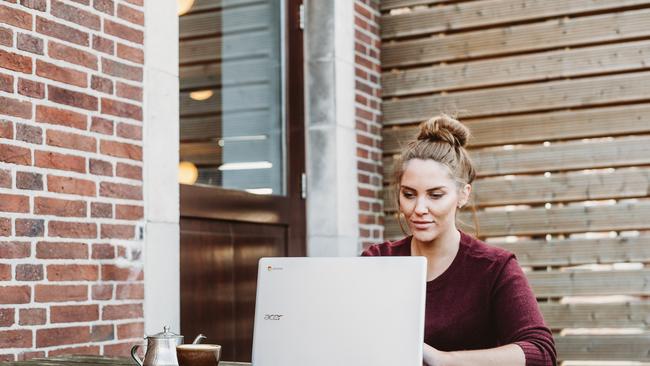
198, 354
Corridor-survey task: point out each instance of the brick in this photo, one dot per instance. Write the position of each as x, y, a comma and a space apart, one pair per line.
5, 178
26, 356
30, 227
113, 231
29, 43
15, 17
30, 181
40, 5
14, 203
60, 31
62, 74
121, 150
16, 339
29, 272
102, 292
111, 272
78, 351
104, 45
61, 250
5, 272
60, 293
64, 229
102, 333
30, 88
130, 15
102, 210
75, 15
27, 133
6, 129
15, 108
72, 55
130, 292
136, 2
74, 313
120, 190
59, 207
130, 53
52, 160
129, 171
7, 358
14, 249
101, 167
122, 70
61, 117
130, 330
121, 109
101, 84
81, 187
83, 2
5, 226
118, 349
72, 272
129, 91
15, 294
6, 37
7, 317
105, 6
116, 312
129, 212
71, 141
62, 336
123, 31
102, 125
72, 98
6, 83
103, 251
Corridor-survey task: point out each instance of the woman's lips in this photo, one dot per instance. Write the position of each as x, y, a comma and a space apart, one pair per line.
421, 225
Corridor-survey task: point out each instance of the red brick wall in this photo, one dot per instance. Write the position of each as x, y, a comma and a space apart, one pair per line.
368, 119
71, 277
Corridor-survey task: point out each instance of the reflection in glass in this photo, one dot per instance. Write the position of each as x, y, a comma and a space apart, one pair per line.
232, 95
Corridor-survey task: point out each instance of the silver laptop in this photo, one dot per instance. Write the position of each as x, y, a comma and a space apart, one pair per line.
340, 311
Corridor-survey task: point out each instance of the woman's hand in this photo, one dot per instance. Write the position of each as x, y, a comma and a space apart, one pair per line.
433, 357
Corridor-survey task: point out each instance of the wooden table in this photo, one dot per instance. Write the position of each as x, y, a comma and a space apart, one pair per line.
93, 361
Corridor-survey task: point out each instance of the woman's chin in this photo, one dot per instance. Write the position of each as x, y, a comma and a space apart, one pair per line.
425, 236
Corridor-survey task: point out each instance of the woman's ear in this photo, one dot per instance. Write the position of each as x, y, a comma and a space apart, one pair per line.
464, 195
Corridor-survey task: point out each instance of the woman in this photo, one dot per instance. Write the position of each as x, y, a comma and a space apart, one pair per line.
479, 308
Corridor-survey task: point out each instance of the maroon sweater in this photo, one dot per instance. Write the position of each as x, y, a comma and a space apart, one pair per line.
481, 301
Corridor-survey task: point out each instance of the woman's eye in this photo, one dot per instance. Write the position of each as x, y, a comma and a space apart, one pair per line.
408, 195
436, 195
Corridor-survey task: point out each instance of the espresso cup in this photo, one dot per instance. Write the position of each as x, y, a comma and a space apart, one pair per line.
198, 354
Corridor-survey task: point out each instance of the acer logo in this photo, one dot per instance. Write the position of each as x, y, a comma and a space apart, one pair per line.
272, 316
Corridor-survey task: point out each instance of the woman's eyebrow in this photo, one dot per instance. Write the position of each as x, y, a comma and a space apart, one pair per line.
428, 189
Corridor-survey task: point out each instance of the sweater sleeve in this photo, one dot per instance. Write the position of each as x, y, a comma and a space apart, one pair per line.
518, 318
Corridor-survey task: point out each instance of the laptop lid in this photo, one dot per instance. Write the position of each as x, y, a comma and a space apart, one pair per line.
340, 311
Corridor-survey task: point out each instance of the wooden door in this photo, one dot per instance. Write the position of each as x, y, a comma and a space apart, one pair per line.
225, 231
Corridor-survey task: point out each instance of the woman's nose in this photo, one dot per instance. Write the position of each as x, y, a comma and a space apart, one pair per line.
421, 206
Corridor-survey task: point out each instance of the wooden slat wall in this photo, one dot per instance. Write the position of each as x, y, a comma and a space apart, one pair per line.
557, 95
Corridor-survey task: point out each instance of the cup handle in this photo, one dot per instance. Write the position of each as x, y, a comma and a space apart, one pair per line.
199, 338
134, 349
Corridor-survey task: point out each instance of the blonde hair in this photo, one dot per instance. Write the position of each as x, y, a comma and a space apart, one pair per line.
443, 140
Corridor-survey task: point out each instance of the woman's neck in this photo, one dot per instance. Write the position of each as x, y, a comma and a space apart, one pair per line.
446, 244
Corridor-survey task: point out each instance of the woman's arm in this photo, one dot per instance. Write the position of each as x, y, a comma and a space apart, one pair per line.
508, 355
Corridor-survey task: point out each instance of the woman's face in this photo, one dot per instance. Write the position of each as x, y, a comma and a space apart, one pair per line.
428, 198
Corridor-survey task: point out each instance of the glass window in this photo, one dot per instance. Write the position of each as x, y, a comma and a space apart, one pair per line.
231, 99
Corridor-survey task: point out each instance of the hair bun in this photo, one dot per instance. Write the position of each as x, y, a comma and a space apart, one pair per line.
444, 128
